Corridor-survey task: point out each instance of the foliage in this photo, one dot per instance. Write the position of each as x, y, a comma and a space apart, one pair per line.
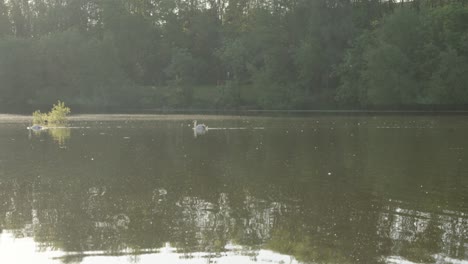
411, 58
183, 72
39, 118
299, 54
57, 115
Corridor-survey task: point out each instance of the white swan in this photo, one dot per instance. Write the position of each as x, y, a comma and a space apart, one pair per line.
36, 128
199, 129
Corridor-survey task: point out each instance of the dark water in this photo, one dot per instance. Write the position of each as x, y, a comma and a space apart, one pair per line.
256, 190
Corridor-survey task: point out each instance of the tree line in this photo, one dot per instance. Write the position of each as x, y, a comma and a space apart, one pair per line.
259, 54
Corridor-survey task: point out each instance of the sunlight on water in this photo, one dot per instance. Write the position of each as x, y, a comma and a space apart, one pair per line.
25, 250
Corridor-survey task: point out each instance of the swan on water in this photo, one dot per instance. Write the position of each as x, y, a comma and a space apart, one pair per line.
199, 129
36, 128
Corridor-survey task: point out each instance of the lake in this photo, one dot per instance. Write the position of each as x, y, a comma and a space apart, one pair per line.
317, 189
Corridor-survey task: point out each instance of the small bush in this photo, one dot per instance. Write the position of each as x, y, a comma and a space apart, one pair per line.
39, 118
58, 115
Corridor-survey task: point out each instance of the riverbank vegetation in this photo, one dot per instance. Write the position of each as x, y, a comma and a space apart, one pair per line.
236, 54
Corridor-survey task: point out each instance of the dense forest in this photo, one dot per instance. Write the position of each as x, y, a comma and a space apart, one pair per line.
233, 54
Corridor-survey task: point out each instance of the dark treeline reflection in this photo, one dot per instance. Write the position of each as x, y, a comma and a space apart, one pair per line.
334, 190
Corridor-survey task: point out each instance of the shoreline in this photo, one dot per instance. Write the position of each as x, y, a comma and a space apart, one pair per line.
214, 114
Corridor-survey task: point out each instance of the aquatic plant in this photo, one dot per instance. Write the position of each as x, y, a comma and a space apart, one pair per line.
39, 118
57, 115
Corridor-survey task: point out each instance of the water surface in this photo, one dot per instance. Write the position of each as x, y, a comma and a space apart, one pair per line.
321, 189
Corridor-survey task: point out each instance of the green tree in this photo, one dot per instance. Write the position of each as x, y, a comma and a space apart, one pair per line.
19, 73
20, 18
317, 33
81, 70
5, 25
352, 90
449, 81
133, 37
182, 71
389, 77
384, 64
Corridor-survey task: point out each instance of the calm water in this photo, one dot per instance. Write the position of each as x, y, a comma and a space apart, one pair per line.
322, 189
